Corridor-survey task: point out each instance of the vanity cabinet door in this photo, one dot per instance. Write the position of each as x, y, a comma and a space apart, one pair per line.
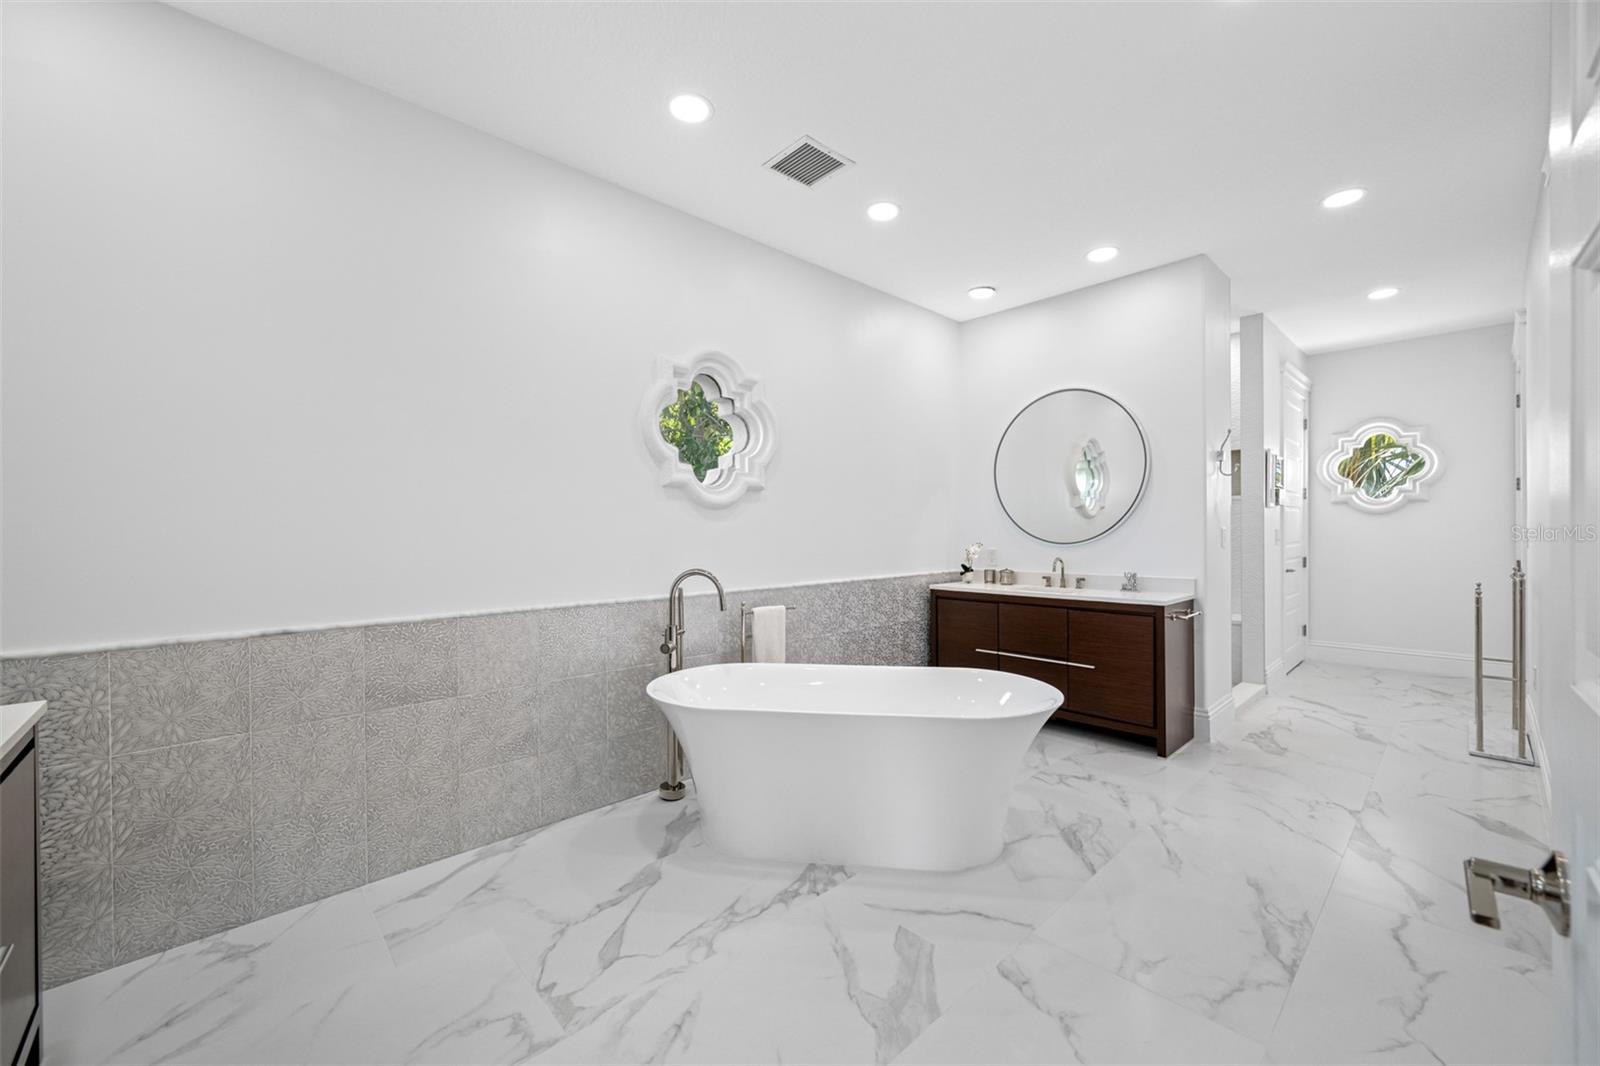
967, 632
1116, 675
1033, 643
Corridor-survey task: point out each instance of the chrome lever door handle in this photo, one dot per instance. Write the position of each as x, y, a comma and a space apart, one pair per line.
1547, 886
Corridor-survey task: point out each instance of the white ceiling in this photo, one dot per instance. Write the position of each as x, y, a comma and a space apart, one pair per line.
1018, 136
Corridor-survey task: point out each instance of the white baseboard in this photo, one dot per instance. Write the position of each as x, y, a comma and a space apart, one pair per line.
1275, 673
1444, 663
1536, 738
1215, 719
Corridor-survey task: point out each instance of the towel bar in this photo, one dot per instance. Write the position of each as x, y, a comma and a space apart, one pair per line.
744, 630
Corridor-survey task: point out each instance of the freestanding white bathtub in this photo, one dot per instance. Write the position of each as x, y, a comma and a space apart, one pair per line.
901, 766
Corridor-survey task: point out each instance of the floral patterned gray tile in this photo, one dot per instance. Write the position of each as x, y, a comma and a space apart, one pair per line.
74, 813
308, 854
572, 781
303, 677
496, 652
200, 885
177, 693
499, 802
170, 799
75, 910
411, 830
413, 776
411, 662
635, 762
77, 725
573, 641
302, 768
497, 727
412, 752
628, 709
574, 712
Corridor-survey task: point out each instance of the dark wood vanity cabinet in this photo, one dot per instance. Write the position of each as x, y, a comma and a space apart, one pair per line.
19, 907
1127, 667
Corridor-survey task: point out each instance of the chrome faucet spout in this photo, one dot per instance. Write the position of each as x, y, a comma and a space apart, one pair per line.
672, 647
1059, 564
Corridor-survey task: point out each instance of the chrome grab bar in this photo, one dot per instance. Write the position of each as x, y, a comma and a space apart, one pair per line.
1033, 658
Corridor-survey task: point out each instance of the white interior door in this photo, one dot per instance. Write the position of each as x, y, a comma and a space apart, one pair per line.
1296, 552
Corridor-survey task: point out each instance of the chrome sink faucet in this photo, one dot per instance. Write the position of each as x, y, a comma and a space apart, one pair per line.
672, 647
1061, 566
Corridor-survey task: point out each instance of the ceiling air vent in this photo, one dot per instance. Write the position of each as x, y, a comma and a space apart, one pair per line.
807, 162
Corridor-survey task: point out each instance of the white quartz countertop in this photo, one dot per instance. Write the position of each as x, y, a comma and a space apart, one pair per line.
1154, 597
16, 722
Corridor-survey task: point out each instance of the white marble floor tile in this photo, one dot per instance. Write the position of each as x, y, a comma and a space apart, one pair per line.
1407, 857
172, 1004
466, 1003
1216, 922
1143, 909
1043, 1004
1383, 987
1110, 773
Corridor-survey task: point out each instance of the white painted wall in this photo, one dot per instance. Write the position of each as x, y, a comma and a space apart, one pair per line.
1158, 342
1396, 588
280, 350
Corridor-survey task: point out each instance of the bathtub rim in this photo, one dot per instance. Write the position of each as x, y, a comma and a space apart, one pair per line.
1048, 698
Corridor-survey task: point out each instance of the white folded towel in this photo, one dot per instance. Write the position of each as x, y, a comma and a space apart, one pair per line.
767, 632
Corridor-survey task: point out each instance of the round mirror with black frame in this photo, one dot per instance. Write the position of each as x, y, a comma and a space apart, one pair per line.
1071, 466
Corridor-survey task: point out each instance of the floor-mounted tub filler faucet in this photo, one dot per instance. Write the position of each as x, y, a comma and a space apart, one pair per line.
672, 647
1059, 565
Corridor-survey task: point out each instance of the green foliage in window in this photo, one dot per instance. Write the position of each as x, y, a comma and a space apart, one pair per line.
694, 425
1379, 465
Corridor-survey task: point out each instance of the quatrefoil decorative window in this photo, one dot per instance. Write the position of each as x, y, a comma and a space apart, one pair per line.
1378, 466
708, 429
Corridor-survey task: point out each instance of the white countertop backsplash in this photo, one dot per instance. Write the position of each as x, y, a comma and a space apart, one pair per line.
1107, 588
16, 721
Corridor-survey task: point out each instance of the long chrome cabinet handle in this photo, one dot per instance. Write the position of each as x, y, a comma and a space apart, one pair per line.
1032, 658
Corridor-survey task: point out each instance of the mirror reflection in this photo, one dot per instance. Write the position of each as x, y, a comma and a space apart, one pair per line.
1053, 469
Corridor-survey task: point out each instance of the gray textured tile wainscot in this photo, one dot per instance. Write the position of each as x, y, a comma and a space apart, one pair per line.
190, 787
177, 693
628, 708
636, 762
574, 710
306, 677
412, 662
572, 781
500, 801
309, 833
181, 854
497, 727
573, 640
413, 775
75, 910
497, 651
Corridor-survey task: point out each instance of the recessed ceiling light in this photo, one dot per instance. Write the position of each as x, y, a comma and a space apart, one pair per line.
690, 108
1102, 255
1383, 293
883, 211
1344, 197
982, 292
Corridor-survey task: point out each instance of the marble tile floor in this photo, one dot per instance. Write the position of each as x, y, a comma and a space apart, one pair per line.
1290, 893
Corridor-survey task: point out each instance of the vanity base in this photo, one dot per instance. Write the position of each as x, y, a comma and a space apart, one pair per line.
1123, 667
